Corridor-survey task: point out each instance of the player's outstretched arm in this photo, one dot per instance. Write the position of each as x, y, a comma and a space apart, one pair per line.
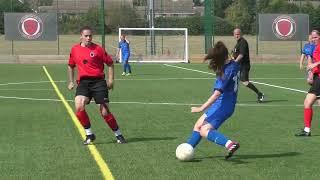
312, 65
71, 77
126, 38
210, 101
110, 76
301, 60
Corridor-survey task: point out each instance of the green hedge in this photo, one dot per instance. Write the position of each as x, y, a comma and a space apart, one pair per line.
195, 24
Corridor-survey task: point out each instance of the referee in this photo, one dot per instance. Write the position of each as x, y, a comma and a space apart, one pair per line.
241, 54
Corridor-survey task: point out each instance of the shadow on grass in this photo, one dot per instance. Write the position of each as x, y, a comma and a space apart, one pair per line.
265, 101
240, 159
139, 139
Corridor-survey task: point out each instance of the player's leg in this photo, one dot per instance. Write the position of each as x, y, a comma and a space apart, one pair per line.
127, 65
82, 98
244, 78
311, 97
112, 122
100, 95
124, 68
195, 136
80, 102
210, 131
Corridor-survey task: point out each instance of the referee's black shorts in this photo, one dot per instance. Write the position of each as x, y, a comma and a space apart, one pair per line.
244, 72
95, 88
315, 87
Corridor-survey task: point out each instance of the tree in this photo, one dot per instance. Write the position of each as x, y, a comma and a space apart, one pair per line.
220, 6
315, 19
16, 6
238, 15
280, 6
139, 2
198, 2
122, 17
308, 8
45, 2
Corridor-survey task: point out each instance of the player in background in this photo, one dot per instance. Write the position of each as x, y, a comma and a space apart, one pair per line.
307, 53
314, 91
221, 104
241, 55
89, 58
124, 47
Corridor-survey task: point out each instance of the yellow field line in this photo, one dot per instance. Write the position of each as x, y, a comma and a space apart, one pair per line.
93, 150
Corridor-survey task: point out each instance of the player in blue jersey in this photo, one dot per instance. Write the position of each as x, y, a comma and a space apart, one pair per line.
221, 104
307, 53
125, 54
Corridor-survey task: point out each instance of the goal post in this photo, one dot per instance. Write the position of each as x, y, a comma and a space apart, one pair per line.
157, 45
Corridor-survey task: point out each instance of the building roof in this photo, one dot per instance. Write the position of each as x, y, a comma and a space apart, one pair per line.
76, 6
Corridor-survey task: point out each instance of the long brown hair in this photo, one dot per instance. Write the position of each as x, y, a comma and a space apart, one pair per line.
217, 57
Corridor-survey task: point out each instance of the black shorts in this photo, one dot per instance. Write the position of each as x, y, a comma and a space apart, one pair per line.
93, 88
244, 72
315, 87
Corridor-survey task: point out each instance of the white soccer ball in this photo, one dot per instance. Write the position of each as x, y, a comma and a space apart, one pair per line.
184, 152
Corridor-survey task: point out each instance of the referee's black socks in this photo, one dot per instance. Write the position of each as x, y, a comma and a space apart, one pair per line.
253, 88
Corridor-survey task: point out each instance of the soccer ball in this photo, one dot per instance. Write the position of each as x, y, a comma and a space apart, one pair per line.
184, 152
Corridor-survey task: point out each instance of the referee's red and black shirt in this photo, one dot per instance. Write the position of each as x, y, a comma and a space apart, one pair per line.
89, 60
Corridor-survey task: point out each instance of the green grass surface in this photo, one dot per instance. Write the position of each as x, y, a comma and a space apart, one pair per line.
138, 43
39, 140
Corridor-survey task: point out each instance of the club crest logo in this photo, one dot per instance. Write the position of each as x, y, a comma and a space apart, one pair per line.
284, 27
30, 26
91, 54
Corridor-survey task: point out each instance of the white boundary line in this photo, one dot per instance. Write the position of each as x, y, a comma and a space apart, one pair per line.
26, 89
178, 67
164, 103
151, 79
280, 87
30, 82
157, 103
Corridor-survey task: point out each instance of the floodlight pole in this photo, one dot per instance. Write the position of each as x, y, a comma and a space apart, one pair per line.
257, 27
11, 40
208, 24
151, 25
102, 24
300, 39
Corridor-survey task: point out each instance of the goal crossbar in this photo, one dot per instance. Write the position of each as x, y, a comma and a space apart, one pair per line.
168, 56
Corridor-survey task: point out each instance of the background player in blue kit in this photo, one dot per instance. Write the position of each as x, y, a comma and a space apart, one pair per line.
221, 104
307, 53
125, 54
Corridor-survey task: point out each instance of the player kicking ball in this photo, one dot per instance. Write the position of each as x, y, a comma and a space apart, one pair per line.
221, 104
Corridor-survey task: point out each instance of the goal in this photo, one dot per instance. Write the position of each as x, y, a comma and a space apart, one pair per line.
159, 45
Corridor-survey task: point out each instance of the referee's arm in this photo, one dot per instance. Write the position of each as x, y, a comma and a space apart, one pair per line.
239, 58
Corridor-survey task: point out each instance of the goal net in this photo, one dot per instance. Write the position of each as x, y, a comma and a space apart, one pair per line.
159, 45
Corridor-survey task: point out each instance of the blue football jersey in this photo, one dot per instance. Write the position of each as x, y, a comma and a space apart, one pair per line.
124, 46
228, 83
308, 49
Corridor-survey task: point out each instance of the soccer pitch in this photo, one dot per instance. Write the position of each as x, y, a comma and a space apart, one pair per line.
40, 141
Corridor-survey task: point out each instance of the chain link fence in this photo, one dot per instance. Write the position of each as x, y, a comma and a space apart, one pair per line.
73, 14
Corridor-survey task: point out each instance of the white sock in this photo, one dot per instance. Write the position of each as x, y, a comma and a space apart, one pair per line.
228, 143
117, 132
88, 131
306, 129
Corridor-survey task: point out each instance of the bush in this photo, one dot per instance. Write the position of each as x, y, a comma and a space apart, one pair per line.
195, 24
